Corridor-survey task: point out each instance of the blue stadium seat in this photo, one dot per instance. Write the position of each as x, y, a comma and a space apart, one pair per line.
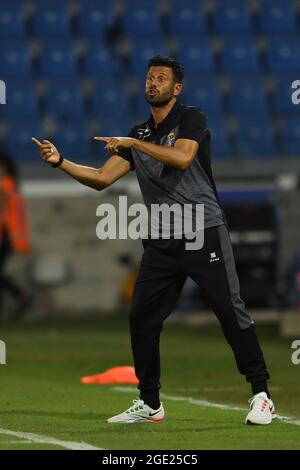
110, 127
277, 17
142, 110
51, 19
11, 20
142, 51
98, 62
291, 137
141, 21
64, 99
284, 55
247, 97
190, 4
58, 60
21, 100
110, 100
196, 56
94, 20
73, 139
283, 104
202, 93
220, 140
19, 139
115, 127
177, 4
255, 138
146, 4
96, 5
240, 56
187, 18
232, 17
15, 60
269, 3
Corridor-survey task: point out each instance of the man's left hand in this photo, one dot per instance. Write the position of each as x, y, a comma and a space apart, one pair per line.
113, 143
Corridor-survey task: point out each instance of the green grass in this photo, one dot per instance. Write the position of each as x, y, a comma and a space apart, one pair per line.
40, 390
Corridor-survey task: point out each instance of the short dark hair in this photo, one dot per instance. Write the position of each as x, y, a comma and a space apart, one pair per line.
166, 61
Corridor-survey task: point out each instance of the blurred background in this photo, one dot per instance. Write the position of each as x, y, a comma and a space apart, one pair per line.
74, 69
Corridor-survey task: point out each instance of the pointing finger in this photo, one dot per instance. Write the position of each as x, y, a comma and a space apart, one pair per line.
103, 139
36, 141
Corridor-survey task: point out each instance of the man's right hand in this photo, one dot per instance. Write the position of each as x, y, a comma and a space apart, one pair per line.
48, 151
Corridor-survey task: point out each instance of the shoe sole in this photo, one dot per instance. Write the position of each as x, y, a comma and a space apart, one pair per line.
251, 423
257, 424
138, 421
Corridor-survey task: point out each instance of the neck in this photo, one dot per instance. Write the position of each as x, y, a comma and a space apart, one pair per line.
159, 114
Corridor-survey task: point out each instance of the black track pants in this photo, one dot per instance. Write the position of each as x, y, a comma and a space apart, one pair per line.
164, 267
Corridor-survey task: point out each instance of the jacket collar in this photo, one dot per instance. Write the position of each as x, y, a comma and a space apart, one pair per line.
171, 116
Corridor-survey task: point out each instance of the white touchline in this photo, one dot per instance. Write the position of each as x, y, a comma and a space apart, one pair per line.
207, 404
15, 442
49, 440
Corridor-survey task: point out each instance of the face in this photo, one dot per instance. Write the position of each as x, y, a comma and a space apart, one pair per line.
160, 86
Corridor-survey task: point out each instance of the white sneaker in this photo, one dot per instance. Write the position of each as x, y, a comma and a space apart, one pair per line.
139, 413
262, 410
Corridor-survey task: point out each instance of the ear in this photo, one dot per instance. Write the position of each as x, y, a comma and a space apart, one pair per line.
177, 89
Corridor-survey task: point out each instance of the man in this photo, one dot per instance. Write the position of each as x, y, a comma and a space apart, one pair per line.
14, 233
171, 155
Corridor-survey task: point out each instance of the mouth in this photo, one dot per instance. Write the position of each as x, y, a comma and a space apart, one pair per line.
152, 92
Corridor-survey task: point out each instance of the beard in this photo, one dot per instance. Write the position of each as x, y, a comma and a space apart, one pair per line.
159, 101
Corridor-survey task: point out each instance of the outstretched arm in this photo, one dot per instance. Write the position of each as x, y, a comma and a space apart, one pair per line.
98, 178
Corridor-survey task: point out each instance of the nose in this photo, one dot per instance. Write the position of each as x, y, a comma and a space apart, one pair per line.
153, 83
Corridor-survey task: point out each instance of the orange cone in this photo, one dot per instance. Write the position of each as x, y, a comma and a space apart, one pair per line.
115, 375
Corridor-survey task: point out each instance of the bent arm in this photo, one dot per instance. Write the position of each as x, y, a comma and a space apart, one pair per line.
180, 156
